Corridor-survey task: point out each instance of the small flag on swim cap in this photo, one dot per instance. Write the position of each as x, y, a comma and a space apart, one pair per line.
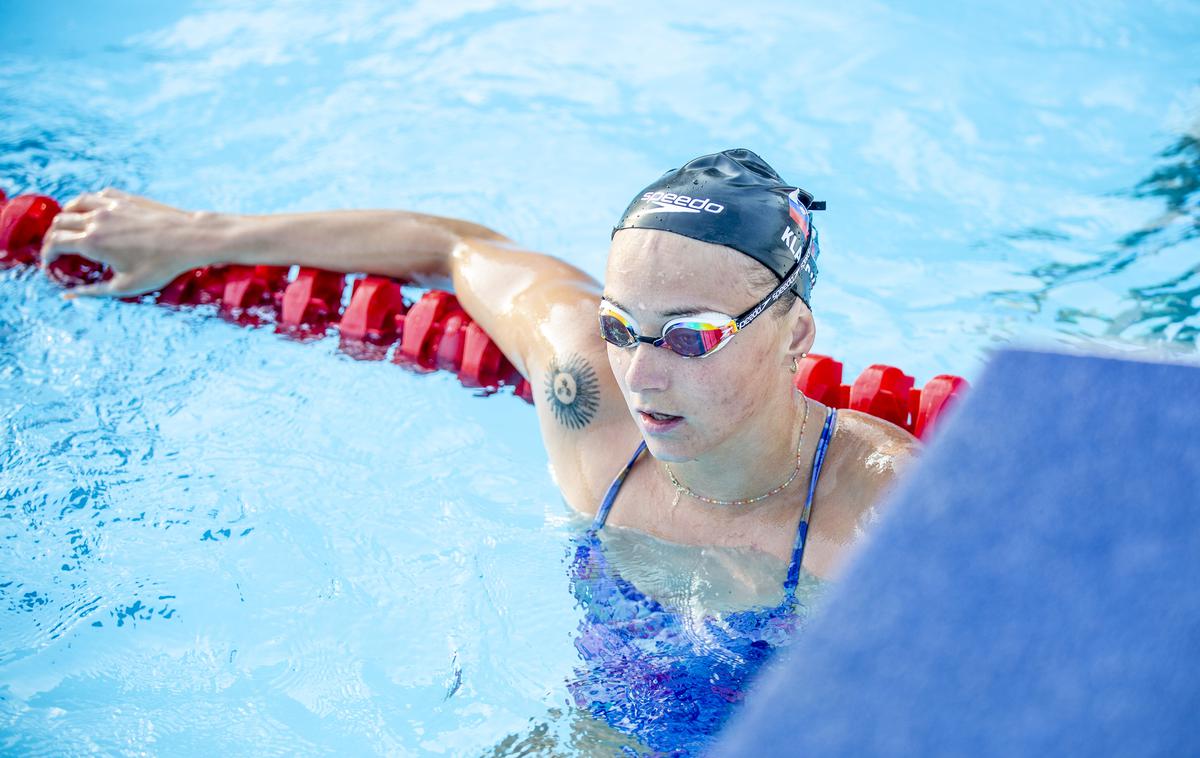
797, 211
734, 198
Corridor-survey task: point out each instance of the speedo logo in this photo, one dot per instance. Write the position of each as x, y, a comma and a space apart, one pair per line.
669, 202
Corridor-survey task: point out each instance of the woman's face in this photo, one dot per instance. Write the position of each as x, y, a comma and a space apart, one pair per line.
707, 404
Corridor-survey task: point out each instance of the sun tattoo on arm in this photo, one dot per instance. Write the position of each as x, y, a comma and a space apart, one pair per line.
572, 390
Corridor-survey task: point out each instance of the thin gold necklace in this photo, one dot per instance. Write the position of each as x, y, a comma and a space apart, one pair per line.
681, 489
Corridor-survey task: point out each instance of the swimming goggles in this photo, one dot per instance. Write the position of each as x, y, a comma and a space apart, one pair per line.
693, 336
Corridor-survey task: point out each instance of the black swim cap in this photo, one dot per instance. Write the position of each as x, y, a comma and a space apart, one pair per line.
734, 198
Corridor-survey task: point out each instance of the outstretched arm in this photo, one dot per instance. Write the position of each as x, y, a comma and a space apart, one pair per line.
539, 310
148, 244
508, 291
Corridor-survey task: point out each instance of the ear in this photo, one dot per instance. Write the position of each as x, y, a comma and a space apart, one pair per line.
803, 331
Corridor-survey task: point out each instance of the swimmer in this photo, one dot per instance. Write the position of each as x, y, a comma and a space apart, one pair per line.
688, 350
665, 397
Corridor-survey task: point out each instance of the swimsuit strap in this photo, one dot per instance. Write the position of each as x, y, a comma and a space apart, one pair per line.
793, 577
611, 496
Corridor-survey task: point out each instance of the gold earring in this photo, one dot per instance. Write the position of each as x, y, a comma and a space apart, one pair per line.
795, 365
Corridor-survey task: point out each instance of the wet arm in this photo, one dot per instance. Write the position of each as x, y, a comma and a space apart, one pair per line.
533, 305
386, 242
147, 243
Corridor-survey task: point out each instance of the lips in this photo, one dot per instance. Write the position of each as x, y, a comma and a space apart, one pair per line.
654, 421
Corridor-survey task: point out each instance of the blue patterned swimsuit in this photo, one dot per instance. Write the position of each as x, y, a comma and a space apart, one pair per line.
649, 671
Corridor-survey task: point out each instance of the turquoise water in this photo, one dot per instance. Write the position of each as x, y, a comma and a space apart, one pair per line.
216, 541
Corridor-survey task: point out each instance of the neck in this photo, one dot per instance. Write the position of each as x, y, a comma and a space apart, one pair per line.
744, 467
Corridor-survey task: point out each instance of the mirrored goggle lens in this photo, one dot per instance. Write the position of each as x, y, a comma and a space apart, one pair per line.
693, 341
615, 331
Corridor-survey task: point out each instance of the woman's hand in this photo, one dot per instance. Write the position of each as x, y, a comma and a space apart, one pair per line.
147, 244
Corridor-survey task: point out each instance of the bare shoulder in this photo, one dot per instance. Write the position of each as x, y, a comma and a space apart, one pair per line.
864, 460
585, 422
870, 448
866, 456
541, 312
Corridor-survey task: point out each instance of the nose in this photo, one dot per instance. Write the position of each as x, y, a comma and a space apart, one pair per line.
648, 368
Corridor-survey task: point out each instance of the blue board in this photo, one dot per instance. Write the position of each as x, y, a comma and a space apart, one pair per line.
1034, 588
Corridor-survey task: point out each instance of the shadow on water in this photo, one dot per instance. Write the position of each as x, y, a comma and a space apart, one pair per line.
1166, 310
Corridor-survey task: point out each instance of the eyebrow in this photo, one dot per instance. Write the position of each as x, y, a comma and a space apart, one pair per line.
665, 314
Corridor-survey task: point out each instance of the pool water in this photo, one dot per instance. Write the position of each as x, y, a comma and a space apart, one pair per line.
216, 541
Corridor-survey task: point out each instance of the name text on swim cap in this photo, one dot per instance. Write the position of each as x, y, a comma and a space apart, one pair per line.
793, 242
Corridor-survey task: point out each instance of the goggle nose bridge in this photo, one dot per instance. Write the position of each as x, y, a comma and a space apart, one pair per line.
654, 341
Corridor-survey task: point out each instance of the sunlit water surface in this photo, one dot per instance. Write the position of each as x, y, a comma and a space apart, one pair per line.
215, 541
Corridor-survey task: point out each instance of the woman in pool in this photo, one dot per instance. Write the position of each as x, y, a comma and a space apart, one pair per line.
702, 319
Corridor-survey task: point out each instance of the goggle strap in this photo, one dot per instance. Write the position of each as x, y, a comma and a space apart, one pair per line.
770, 299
